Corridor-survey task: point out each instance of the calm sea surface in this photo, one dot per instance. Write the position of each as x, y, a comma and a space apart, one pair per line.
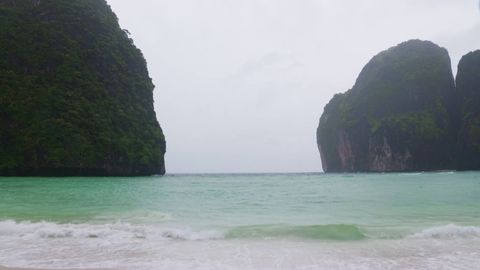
282, 221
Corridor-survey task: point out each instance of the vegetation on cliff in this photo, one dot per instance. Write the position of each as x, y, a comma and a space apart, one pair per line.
399, 116
76, 97
468, 90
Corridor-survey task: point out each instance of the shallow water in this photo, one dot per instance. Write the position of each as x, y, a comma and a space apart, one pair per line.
282, 221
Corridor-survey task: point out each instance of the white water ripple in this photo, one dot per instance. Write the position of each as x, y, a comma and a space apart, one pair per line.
450, 231
127, 246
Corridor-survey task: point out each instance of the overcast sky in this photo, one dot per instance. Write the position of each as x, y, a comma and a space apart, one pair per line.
241, 84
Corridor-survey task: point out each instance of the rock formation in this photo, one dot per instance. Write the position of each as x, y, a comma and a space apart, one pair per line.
468, 90
76, 97
399, 116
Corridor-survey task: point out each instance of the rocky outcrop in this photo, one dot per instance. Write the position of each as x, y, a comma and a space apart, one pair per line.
399, 116
468, 90
76, 97
383, 159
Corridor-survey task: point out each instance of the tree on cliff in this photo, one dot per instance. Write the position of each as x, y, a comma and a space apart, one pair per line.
468, 89
399, 116
76, 97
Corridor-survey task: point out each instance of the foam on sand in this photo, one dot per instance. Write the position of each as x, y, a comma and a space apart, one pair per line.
450, 231
48, 245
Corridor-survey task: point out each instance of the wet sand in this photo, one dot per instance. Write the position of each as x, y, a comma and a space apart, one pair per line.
7, 268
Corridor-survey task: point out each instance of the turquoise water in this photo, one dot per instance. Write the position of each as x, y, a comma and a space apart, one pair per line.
213, 221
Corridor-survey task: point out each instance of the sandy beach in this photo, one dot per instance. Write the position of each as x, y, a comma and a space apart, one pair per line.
7, 268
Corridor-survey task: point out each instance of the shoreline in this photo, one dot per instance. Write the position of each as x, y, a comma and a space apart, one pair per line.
16, 268
9, 268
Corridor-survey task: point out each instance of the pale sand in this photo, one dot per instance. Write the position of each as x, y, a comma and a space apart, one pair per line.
5, 268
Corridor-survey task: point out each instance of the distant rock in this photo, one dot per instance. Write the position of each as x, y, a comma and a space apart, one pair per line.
399, 116
76, 97
468, 89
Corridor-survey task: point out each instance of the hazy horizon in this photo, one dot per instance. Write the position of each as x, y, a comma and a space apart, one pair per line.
241, 85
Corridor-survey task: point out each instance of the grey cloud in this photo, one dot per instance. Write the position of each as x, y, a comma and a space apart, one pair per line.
241, 84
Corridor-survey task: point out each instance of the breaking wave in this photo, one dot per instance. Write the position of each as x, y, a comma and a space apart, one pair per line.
126, 231
118, 231
450, 231
318, 232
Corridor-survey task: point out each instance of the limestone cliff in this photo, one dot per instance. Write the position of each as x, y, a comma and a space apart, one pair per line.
399, 115
76, 97
468, 90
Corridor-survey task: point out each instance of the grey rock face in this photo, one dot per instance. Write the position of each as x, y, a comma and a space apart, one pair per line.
399, 115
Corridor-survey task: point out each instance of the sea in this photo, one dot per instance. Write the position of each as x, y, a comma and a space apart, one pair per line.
243, 222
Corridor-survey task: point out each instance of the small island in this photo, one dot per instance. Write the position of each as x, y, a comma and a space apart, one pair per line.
405, 113
76, 98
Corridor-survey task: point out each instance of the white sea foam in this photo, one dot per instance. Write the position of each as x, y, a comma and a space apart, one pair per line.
450, 231
188, 234
27, 230
131, 246
43, 230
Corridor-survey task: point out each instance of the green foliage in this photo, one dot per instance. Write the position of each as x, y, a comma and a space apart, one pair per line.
475, 133
416, 125
76, 97
468, 89
404, 94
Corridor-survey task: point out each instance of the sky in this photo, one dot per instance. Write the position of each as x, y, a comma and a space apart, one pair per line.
241, 84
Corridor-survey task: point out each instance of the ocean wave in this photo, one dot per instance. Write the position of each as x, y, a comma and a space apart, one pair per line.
127, 231
188, 234
450, 231
46, 229
147, 216
317, 232
118, 231
121, 232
